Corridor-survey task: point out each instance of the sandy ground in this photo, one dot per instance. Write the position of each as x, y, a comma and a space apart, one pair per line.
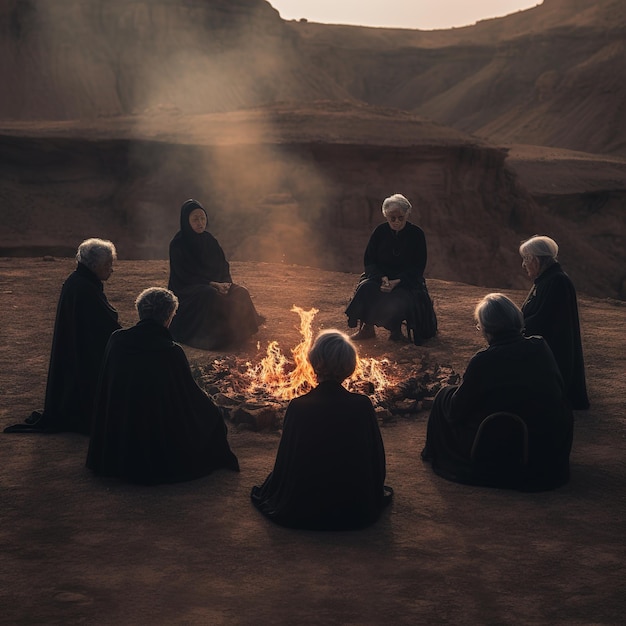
77, 549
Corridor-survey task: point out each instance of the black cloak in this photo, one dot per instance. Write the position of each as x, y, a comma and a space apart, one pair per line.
515, 374
330, 467
551, 310
206, 319
84, 322
152, 422
395, 254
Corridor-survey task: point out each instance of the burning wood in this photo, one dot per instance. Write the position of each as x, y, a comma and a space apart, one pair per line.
272, 374
257, 395
284, 379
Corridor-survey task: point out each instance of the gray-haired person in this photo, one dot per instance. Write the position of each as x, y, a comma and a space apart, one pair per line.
84, 322
329, 471
392, 289
551, 310
514, 374
152, 423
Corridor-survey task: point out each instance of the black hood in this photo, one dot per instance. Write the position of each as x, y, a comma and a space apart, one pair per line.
185, 211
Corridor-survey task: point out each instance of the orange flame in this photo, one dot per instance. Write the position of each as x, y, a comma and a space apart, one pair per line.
371, 370
286, 379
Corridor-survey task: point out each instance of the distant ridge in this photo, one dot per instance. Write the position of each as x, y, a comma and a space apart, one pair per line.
551, 75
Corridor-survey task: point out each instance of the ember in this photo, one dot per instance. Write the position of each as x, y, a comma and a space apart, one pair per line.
256, 396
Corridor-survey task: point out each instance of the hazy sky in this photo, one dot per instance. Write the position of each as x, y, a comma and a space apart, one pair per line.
425, 15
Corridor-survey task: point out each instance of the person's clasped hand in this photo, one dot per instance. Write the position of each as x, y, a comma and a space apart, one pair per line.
386, 285
222, 288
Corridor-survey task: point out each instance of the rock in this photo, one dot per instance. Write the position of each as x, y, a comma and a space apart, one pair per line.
258, 419
427, 403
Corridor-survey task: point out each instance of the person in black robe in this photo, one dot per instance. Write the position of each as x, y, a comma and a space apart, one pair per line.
214, 312
84, 322
392, 290
330, 467
152, 422
551, 310
515, 374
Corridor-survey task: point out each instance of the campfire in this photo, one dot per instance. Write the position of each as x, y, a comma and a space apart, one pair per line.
284, 379
255, 395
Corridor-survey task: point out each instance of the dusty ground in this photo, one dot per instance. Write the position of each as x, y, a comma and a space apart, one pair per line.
76, 549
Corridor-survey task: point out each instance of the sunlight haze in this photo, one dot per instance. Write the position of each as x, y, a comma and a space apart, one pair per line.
399, 13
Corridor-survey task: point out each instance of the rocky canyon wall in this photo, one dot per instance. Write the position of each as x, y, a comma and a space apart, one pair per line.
549, 75
81, 59
302, 203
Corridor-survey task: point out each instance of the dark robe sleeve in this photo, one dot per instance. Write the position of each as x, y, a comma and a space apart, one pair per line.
222, 265
553, 315
468, 396
371, 262
415, 263
183, 271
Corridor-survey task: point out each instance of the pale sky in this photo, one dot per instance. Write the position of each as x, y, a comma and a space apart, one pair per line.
425, 15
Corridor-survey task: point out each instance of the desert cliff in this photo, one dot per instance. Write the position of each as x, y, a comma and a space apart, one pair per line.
292, 133
547, 76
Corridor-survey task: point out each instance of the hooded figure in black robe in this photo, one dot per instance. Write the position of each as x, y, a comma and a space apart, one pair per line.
84, 322
330, 467
214, 312
514, 374
152, 422
392, 290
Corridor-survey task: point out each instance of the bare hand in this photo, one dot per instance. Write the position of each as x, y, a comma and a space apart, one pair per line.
387, 286
222, 288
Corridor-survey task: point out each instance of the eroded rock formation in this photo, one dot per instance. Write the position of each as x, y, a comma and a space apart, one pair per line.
306, 191
118, 111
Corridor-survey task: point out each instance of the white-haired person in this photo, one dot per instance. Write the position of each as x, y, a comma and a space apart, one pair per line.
514, 374
551, 310
84, 322
214, 312
152, 423
392, 289
330, 466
